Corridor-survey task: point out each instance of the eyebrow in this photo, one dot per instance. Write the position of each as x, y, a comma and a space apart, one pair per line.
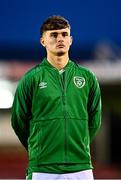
63, 32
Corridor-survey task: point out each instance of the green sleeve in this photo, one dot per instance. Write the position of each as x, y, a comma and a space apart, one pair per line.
94, 107
21, 111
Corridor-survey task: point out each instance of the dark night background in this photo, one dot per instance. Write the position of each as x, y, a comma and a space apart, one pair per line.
92, 22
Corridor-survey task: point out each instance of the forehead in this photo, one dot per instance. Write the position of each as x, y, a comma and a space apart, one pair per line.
58, 31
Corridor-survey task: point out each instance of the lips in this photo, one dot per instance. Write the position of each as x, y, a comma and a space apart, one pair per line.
60, 46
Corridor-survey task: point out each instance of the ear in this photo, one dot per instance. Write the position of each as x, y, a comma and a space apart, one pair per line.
71, 40
42, 41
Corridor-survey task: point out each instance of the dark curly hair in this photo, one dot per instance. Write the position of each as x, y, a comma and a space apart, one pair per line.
54, 22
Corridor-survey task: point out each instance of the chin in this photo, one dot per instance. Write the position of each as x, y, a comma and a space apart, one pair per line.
61, 53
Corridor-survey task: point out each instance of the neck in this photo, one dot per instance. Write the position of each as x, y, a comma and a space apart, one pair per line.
58, 62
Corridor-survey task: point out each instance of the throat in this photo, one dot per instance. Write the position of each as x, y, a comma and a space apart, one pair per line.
58, 63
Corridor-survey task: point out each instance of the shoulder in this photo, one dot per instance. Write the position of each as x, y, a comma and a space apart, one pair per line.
32, 72
28, 78
89, 76
84, 70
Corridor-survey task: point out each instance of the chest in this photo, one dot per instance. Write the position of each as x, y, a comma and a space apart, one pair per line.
50, 86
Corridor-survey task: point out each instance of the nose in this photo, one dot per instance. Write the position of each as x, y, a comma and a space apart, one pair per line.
59, 37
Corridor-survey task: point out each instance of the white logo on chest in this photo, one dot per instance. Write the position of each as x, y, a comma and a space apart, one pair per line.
42, 85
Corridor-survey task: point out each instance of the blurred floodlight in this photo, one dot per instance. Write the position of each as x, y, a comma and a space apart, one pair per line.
6, 99
6, 94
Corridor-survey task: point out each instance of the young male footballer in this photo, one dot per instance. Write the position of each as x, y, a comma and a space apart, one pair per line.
57, 110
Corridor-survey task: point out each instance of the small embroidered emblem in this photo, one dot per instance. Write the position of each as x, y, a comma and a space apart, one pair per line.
79, 81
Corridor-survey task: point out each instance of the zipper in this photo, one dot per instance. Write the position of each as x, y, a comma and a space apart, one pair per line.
63, 91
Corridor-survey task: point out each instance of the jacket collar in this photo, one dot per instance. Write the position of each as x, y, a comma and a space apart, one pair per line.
46, 63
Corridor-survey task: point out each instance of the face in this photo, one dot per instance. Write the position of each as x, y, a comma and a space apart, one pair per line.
57, 42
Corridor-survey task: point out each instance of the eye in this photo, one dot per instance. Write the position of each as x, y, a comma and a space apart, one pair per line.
54, 35
65, 34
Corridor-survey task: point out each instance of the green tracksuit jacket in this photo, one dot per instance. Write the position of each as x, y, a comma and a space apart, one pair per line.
56, 116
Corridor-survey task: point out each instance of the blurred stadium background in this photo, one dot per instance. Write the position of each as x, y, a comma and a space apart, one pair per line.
96, 30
